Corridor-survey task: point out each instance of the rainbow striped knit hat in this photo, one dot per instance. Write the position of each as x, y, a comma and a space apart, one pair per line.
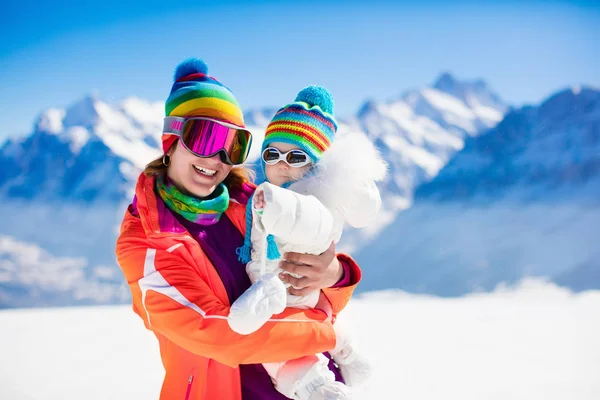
196, 94
308, 122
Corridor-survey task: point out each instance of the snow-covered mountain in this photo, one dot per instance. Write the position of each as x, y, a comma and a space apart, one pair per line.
86, 153
64, 187
418, 133
521, 200
533, 151
259, 117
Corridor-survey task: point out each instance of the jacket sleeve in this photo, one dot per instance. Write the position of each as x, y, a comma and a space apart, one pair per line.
361, 205
295, 218
174, 301
304, 219
340, 296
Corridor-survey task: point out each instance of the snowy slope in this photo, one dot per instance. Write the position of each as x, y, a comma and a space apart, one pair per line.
521, 200
535, 342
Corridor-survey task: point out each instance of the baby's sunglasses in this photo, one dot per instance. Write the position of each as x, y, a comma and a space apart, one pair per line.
206, 137
294, 158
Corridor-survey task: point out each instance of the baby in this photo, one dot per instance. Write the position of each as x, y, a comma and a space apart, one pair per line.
313, 185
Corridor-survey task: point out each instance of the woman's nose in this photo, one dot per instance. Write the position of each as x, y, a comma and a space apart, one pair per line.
216, 158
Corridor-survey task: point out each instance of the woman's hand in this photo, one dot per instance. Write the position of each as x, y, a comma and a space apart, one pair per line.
259, 200
318, 271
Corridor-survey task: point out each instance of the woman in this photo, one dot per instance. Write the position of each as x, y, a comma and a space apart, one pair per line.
177, 250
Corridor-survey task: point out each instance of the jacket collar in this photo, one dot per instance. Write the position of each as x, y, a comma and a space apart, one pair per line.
157, 220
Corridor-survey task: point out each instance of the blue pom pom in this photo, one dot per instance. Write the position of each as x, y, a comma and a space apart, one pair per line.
243, 253
317, 96
190, 66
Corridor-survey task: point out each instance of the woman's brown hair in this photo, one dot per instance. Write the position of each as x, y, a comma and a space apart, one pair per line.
237, 176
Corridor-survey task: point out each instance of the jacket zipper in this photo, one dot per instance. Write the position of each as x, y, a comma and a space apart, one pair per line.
189, 387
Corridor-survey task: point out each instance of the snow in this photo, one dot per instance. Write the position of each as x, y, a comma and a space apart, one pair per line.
79, 136
421, 131
448, 103
123, 135
129, 172
137, 152
259, 116
51, 121
488, 115
258, 135
149, 115
475, 94
534, 341
417, 135
550, 147
125, 127
419, 156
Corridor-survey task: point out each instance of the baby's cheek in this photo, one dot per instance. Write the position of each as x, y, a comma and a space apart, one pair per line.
269, 169
302, 171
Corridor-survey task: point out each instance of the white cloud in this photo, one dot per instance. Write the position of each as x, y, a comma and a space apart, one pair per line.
38, 278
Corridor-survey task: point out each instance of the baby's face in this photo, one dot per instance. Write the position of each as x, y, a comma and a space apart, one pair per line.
281, 173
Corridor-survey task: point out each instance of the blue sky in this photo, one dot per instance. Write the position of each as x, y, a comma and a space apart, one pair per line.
53, 53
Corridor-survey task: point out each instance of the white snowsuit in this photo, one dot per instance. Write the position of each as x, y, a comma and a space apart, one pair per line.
306, 218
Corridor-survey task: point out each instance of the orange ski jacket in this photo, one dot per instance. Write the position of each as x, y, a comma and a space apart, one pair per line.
181, 299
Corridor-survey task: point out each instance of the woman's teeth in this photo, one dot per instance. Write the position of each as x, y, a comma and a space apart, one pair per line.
205, 171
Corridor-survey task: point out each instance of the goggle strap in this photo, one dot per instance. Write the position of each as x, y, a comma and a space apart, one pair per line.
173, 125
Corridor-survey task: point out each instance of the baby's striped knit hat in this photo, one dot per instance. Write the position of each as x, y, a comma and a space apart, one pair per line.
196, 94
308, 122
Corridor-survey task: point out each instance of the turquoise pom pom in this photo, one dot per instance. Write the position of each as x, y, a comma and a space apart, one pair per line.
317, 96
243, 253
190, 66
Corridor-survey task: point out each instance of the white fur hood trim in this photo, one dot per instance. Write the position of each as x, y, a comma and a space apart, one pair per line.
344, 179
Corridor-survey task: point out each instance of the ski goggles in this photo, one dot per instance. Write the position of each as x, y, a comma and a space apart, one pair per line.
206, 137
294, 158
